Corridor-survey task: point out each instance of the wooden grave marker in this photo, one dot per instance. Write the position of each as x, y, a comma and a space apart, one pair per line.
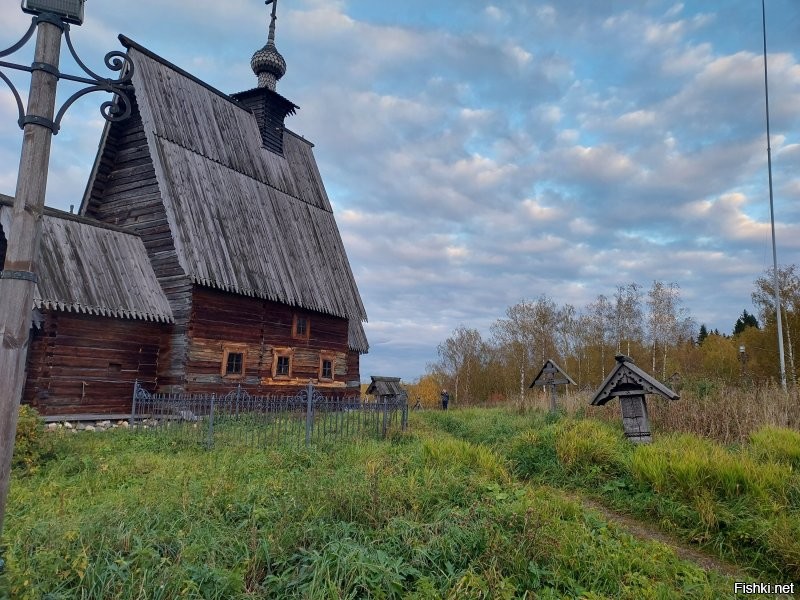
550, 376
630, 384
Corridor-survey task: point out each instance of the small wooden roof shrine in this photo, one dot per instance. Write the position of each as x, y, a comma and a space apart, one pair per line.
626, 379
551, 374
630, 384
385, 386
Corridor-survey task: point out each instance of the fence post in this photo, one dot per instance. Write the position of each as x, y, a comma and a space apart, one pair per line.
385, 415
309, 411
133, 403
238, 395
210, 440
404, 419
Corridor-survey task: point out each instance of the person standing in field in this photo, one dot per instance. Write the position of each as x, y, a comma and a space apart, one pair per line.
445, 399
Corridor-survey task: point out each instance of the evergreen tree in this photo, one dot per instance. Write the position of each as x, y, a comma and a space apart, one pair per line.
743, 322
702, 335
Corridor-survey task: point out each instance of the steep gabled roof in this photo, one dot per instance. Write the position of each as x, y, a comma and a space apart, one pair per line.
385, 386
243, 219
91, 268
626, 379
551, 374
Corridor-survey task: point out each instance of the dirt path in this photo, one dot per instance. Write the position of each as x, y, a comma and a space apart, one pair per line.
645, 532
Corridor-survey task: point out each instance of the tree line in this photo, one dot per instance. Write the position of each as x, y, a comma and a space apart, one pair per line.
651, 325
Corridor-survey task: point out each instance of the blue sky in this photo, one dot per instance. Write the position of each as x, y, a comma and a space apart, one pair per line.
479, 153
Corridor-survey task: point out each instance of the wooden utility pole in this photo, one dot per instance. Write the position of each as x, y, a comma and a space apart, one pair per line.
18, 276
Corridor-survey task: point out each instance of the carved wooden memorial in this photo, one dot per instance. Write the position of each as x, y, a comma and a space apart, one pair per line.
551, 375
630, 384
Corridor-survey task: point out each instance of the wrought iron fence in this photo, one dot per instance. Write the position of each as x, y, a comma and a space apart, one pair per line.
240, 418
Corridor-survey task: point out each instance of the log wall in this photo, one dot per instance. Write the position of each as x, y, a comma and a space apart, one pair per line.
258, 327
125, 192
82, 364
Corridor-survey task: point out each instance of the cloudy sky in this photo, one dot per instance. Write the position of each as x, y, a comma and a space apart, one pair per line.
479, 153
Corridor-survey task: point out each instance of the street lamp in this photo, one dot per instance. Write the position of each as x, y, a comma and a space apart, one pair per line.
39, 123
70, 11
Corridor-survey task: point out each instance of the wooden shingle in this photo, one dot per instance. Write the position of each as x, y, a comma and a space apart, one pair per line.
90, 268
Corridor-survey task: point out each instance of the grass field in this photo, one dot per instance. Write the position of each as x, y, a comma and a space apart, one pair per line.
469, 504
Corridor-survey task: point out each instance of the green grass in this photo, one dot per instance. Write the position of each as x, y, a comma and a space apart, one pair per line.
742, 503
777, 443
422, 515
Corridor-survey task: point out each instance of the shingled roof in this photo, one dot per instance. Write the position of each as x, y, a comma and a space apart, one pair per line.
91, 268
243, 219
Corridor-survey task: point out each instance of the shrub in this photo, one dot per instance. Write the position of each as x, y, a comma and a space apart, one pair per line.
777, 443
32, 445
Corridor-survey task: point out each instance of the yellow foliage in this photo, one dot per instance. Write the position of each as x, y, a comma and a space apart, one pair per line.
720, 358
427, 390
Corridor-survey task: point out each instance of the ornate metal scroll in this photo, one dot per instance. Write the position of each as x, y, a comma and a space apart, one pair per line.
302, 397
116, 109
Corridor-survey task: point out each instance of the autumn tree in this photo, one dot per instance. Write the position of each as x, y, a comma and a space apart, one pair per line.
462, 357
513, 336
669, 322
719, 358
628, 315
426, 390
530, 333
600, 323
764, 300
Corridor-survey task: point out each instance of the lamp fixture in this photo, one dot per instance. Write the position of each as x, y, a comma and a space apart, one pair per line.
70, 11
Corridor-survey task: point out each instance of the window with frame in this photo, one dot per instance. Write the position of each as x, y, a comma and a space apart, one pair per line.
301, 327
327, 369
282, 368
234, 357
234, 364
282, 363
326, 363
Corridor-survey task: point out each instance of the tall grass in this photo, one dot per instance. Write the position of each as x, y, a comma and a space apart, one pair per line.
686, 465
777, 443
425, 515
741, 501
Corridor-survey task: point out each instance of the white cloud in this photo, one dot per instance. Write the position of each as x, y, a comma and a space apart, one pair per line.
502, 152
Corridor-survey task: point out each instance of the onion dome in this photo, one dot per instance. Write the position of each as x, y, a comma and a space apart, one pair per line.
267, 63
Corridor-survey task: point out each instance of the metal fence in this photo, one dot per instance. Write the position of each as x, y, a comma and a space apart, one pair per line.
240, 418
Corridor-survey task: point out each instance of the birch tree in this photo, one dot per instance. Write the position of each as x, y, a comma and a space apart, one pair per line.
669, 322
764, 300
600, 321
462, 356
628, 316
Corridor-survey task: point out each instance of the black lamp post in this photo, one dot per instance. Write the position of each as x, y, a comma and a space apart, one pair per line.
39, 123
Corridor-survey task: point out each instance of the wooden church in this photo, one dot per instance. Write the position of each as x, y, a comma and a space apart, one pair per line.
205, 254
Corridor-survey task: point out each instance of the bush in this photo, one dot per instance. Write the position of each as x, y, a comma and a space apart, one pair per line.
32, 445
